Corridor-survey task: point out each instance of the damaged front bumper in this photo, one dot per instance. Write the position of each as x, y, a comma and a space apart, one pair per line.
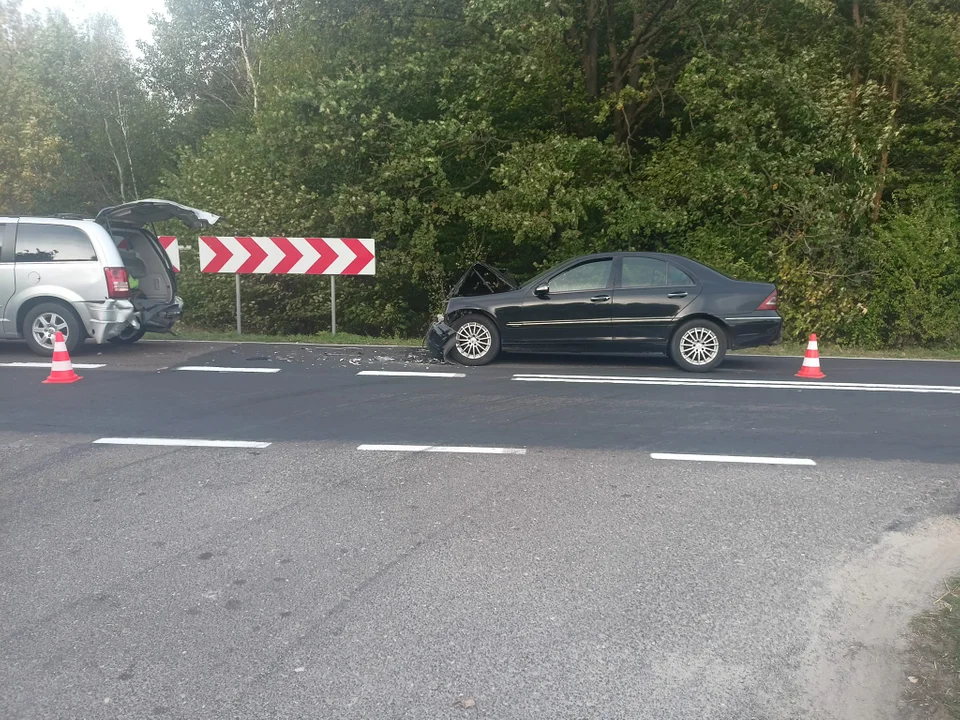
439, 339
109, 318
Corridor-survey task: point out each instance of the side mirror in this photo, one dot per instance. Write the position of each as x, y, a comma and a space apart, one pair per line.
542, 291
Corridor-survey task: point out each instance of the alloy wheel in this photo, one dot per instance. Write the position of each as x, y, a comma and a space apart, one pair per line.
46, 327
473, 340
699, 346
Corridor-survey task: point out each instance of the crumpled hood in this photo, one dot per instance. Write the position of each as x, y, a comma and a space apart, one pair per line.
145, 212
482, 279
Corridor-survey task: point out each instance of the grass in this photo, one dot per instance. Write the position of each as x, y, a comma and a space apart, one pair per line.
325, 338
933, 673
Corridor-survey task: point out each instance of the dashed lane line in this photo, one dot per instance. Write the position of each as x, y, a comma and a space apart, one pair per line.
400, 373
744, 459
445, 449
182, 442
46, 365
211, 368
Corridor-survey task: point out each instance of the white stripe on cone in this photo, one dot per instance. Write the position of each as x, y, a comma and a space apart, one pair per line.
811, 362
61, 366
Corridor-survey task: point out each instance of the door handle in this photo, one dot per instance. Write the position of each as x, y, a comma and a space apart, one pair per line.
676, 295
600, 298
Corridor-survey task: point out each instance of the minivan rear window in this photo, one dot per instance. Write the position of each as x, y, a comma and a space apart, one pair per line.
52, 243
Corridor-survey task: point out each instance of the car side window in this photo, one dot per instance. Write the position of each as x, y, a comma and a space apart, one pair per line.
52, 243
677, 277
641, 272
3, 231
593, 275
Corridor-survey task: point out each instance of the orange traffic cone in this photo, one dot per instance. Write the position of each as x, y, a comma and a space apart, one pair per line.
811, 362
62, 370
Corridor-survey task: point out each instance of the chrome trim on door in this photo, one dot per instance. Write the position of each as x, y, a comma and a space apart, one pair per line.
753, 319
531, 323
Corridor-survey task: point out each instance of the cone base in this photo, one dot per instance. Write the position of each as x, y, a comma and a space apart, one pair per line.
62, 381
812, 373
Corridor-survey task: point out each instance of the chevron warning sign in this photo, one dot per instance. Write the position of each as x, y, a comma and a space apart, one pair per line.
172, 247
287, 256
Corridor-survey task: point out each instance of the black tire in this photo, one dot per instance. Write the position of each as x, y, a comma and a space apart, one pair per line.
698, 345
128, 338
73, 331
473, 333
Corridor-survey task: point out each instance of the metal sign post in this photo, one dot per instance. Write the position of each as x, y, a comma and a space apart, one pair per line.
239, 330
333, 304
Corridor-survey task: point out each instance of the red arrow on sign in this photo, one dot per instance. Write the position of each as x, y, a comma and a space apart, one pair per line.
291, 256
221, 256
257, 255
327, 256
363, 258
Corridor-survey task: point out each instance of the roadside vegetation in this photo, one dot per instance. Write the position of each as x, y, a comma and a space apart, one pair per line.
933, 672
814, 144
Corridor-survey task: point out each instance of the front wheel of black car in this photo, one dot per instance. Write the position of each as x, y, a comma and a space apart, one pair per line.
476, 340
698, 346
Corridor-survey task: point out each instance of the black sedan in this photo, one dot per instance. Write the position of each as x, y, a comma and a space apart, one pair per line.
611, 303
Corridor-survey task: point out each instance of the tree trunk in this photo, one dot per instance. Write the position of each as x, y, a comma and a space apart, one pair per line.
894, 100
251, 75
619, 121
857, 53
116, 160
591, 50
122, 122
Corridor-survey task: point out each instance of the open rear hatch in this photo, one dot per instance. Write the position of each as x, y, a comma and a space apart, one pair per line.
146, 212
145, 260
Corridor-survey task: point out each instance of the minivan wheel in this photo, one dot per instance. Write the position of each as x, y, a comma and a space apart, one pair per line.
698, 346
42, 323
476, 340
128, 336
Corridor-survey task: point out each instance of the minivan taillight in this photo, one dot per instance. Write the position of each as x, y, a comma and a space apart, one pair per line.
118, 285
770, 303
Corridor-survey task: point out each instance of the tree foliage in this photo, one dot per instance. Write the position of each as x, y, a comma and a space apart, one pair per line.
805, 142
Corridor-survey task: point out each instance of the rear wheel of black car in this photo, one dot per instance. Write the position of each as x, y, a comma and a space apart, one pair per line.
128, 336
698, 346
476, 340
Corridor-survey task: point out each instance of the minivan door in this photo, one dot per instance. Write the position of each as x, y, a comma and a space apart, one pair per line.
8, 285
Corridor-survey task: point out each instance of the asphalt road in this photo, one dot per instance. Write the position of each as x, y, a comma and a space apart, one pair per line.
576, 576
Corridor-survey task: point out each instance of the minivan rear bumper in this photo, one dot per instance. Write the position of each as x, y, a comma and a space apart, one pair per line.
108, 318
162, 317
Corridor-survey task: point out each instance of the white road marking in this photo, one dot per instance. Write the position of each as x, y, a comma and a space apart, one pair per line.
397, 373
733, 459
208, 368
767, 384
47, 365
445, 449
181, 442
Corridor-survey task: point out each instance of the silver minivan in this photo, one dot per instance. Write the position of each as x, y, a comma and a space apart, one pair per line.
108, 279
